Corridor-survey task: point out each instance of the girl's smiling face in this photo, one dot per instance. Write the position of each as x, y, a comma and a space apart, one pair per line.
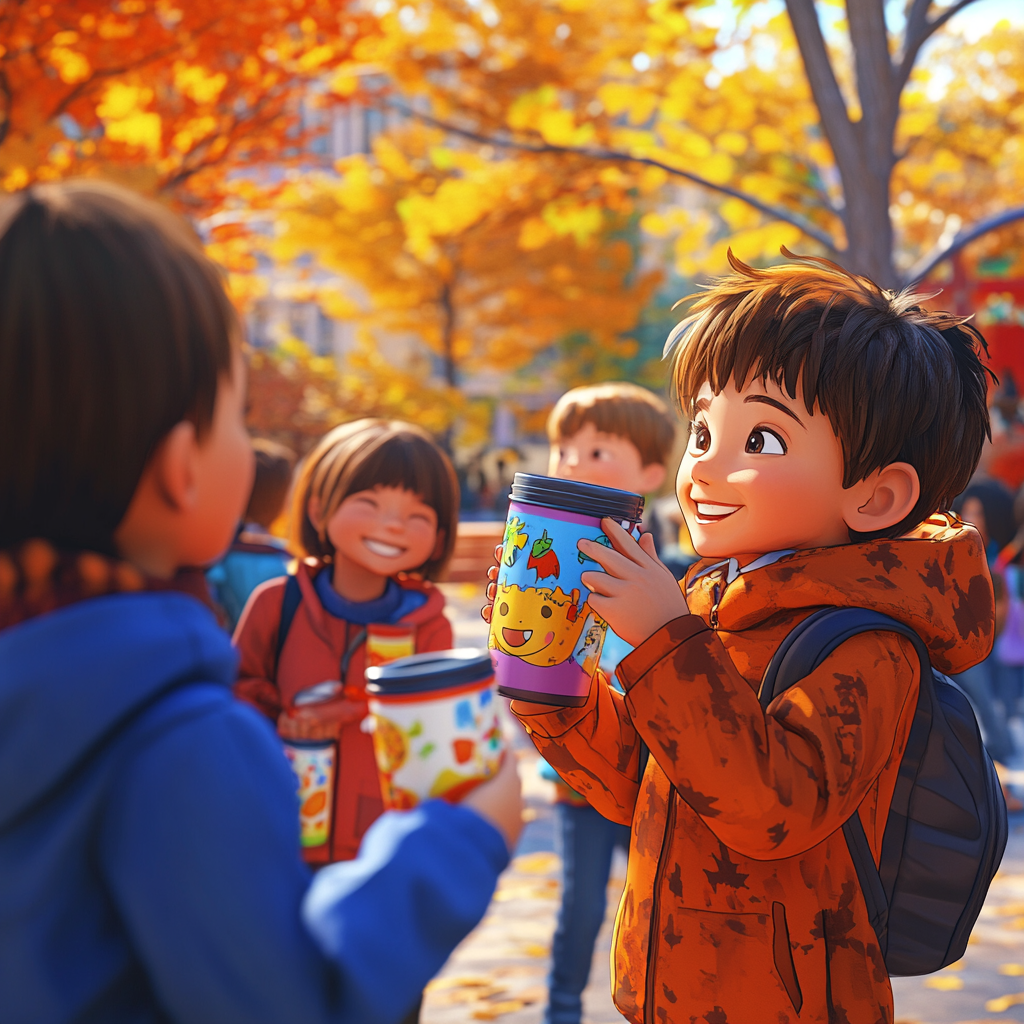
761, 474
384, 530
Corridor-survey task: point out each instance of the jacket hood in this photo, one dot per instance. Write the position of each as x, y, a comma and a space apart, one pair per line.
69, 678
934, 579
430, 609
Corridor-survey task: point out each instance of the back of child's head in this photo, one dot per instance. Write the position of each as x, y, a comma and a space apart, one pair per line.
274, 465
620, 408
114, 326
898, 382
369, 453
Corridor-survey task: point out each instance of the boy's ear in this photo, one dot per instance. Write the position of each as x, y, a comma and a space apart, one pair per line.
652, 476
172, 467
882, 499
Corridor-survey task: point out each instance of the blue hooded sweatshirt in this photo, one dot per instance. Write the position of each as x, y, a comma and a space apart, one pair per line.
149, 856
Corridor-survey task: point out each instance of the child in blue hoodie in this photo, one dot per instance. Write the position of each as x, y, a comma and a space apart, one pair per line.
149, 856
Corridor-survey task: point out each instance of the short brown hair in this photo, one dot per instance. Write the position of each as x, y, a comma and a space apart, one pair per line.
368, 453
274, 465
898, 382
114, 326
626, 410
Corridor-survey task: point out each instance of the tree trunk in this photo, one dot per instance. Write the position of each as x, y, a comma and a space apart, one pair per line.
447, 306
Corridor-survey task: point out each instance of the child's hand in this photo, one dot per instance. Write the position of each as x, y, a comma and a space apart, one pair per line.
636, 594
492, 586
320, 721
500, 800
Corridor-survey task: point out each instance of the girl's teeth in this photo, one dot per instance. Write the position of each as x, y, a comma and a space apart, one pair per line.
378, 547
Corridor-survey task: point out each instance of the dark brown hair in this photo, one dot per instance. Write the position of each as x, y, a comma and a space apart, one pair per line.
114, 326
274, 465
626, 410
370, 453
898, 382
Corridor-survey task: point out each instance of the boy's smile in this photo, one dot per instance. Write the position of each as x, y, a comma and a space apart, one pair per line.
761, 474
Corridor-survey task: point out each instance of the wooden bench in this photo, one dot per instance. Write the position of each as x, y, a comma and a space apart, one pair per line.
474, 551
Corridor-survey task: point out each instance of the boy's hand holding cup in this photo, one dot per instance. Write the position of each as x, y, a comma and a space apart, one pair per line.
637, 593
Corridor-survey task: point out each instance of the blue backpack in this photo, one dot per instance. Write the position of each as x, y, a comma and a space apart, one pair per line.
946, 829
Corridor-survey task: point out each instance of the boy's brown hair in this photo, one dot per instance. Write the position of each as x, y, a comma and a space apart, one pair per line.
898, 382
114, 326
274, 465
620, 408
364, 454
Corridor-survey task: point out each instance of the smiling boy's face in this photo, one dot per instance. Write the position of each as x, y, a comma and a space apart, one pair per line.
761, 474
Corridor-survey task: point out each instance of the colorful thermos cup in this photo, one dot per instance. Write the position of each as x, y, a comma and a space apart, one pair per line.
545, 639
435, 723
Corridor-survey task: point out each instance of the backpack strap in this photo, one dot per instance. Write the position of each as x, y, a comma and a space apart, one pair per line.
800, 653
289, 606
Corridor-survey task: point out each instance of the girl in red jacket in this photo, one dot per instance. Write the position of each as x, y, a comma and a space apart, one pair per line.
374, 517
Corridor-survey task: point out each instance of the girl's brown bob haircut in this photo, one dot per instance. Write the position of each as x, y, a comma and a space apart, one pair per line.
114, 326
898, 382
620, 408
370, 453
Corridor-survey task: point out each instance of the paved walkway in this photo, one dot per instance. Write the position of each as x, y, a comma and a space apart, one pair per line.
499, 971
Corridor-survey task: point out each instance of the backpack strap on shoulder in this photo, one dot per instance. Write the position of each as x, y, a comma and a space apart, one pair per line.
289, 606
799, 654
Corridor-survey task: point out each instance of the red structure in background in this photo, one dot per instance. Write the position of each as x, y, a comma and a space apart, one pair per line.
997, 305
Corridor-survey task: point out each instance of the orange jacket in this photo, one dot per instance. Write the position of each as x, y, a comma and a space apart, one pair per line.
741, 902
312, 653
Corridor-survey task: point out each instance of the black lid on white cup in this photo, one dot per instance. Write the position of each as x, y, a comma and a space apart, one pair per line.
573, 496
437, 670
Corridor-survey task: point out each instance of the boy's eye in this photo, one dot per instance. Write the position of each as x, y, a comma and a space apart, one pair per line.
765, 442
700, 437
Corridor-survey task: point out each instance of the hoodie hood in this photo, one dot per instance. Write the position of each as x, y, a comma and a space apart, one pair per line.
934, 579
69, 678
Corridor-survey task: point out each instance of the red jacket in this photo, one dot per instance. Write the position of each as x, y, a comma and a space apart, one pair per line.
313, 652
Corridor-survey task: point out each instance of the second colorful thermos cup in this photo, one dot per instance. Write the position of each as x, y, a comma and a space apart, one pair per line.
545, 638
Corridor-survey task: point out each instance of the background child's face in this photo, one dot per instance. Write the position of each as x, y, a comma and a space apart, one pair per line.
593, 457
384, 530
760, 474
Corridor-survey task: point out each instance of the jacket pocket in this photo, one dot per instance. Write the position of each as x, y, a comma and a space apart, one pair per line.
709, 963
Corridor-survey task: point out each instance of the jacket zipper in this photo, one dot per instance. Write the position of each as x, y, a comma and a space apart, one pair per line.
659, 875
713, 617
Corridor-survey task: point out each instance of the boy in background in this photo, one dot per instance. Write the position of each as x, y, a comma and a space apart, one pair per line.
149, 849
831, 424
616, 435
256, 555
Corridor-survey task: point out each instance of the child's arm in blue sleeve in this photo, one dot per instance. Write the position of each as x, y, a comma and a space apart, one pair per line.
391, 918
199, 851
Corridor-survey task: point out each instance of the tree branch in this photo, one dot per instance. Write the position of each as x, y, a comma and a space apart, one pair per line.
919, 31
835, 118
619, 156
930, 262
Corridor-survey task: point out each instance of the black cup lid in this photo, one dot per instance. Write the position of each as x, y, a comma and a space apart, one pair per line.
421, 673
573, 496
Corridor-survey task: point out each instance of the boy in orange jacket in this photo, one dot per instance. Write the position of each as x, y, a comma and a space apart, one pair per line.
831, 422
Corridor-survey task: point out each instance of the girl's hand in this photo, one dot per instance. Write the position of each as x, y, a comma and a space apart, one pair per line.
637, 593
500, 800
492, 586
320, 721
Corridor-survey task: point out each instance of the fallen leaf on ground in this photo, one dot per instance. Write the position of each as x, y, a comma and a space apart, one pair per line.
1004, 1002
459, 981
537, 863
543, 889
1011, 969
490, 1011
945, 982
474, 994
1009, 909
535, 949
1016, 925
